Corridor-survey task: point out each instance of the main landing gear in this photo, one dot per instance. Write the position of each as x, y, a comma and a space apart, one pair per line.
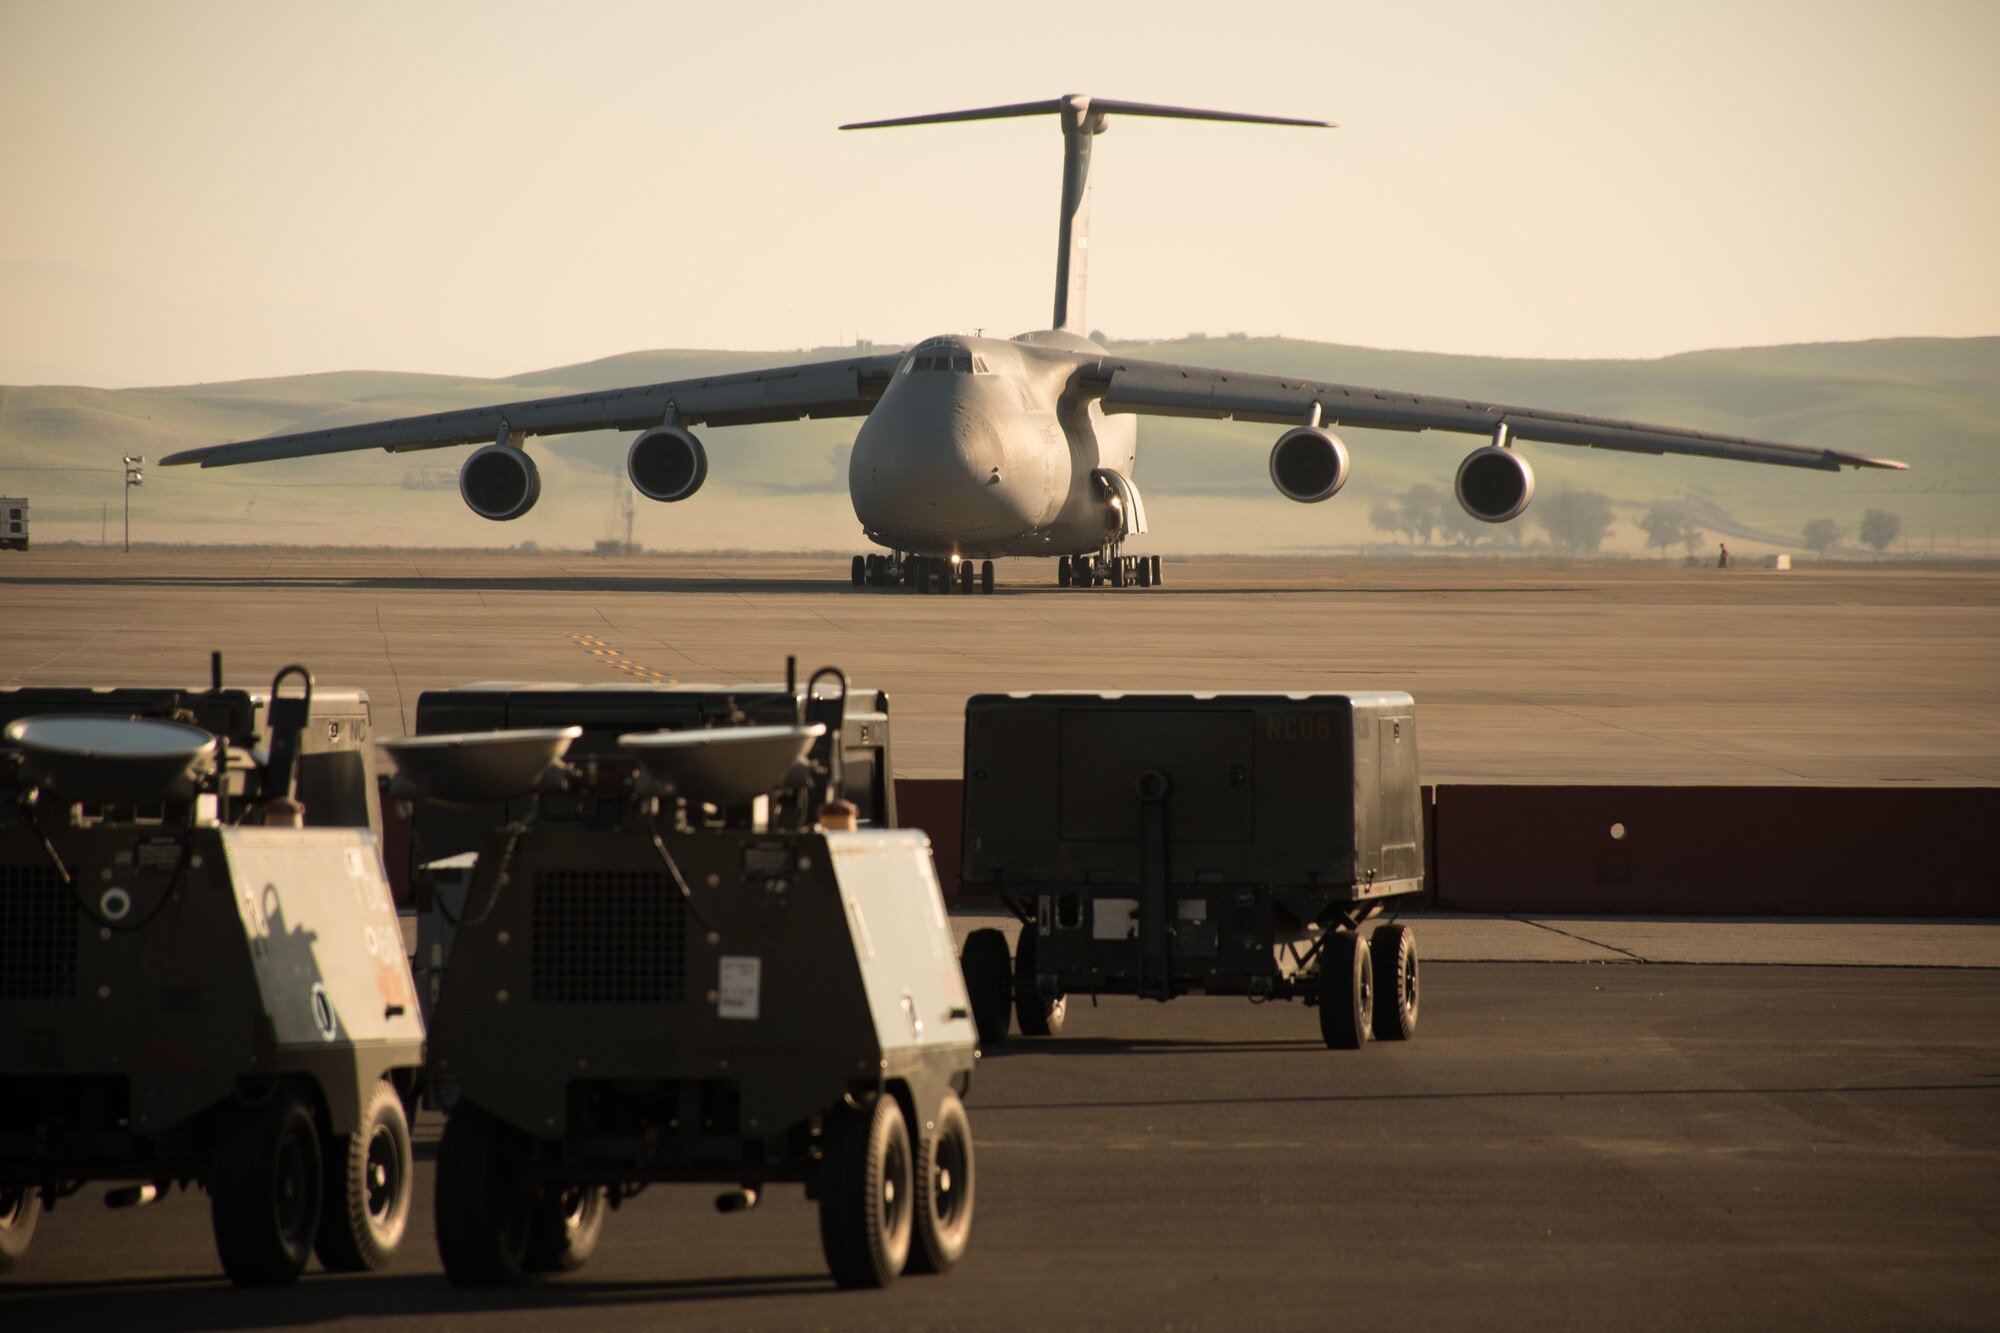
922, 573
1108, 566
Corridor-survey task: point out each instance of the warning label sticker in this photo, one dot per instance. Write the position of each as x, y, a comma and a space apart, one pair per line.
737, 991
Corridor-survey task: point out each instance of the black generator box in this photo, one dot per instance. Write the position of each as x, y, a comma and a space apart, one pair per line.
1162, 845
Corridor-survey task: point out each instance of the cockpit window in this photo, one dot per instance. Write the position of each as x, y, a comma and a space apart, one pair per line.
963, 363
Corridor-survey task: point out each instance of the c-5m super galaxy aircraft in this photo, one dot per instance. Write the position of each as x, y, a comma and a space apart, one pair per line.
975, 448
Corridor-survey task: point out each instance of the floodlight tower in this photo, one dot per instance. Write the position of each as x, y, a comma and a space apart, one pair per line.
134, 476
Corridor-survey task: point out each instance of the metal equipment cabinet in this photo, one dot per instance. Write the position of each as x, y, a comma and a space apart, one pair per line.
1161, 845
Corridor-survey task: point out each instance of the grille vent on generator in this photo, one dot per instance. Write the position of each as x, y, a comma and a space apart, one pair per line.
608, 937
37, 935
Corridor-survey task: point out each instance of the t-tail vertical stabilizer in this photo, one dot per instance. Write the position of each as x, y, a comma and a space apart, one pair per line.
1083, 119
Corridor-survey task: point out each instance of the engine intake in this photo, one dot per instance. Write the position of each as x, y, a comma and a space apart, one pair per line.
1308, 464
667, 463
499, 482
1494, 484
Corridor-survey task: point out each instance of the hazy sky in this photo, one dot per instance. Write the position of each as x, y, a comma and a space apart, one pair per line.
211, 190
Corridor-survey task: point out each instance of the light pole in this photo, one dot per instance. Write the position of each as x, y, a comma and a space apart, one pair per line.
133, 477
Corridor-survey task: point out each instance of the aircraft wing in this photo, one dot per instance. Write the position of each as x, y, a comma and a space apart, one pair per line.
782, 393
1161, 389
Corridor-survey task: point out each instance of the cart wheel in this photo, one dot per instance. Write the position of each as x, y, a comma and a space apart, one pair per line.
1038, 1015
865, 1194
365, 1187
20, 1209
985, 963
1394, 954
483, 1220
1346, 991
564, 1229
264, 1190
943, 1191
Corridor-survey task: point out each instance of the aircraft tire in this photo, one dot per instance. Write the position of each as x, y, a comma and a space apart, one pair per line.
1036, 1014
1346, 992
864, 1193
916, 573
564, 1229
20, 1209
1062, 571
860, 571
967, 576
986, 576
1118, 572
366, 1181
1394, 950
944, 1191
985, 964
1145, 572
264, 1190
1156, 571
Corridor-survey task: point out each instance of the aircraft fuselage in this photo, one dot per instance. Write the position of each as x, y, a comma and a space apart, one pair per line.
978, 449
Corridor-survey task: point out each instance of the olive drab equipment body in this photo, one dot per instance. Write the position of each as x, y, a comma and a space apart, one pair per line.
191, 965
1163, 845
672, 962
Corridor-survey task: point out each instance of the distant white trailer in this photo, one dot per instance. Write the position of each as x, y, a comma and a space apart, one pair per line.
13, 524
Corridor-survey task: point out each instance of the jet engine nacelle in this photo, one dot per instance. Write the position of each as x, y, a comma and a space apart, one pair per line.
499, 482
667, 463
1308, 464
1494, 484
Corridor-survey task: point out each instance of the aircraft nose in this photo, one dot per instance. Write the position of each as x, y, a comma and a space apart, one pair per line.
939, 480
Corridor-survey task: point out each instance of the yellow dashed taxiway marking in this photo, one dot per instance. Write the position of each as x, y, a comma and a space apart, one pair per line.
617, 661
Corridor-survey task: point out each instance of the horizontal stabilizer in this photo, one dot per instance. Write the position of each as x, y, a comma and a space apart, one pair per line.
1083, 106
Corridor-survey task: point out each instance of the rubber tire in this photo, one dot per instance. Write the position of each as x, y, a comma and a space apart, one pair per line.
915, 571
1118, 572
865, 1197
1156, 571
564, 1229
362, 1225
1346, 992
1062, 571
986, 576
1034, 1014
1145, 572
860, 570
483, 1223
1394, 952
264, 1190
986, 965
944, 1191
20, 1210
967, 576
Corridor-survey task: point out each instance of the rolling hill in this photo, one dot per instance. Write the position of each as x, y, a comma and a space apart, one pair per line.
1934, 403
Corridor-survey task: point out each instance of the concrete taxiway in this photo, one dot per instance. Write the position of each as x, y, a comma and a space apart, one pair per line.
1523, 671
1566, 1146
1604, 1121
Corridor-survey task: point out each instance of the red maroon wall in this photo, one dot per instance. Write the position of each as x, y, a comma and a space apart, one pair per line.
1786, 851
1767, 851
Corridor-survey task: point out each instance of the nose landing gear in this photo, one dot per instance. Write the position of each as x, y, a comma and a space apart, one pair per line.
921, 573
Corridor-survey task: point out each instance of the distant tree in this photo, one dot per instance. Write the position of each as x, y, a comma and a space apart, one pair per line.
1879, 528
1575, 520
1423, 509
1666, 527
1387, 518
1821, 534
